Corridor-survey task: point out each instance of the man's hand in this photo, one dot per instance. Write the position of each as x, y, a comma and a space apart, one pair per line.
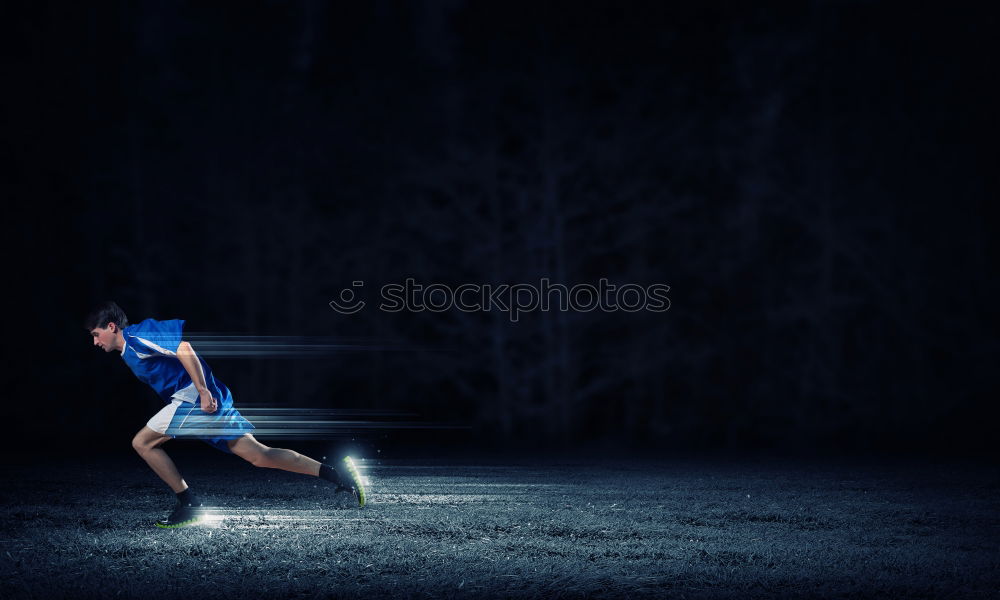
208, 403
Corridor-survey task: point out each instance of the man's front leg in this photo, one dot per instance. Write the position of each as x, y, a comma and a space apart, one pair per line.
146, 444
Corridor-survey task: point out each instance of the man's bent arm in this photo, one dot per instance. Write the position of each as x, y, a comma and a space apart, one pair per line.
185, 354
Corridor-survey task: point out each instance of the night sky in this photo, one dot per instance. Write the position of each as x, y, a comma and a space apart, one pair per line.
812, 180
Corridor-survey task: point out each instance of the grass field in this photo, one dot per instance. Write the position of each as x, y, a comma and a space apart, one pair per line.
522, 529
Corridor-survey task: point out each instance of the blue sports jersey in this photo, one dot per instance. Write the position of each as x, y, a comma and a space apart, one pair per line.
151, 352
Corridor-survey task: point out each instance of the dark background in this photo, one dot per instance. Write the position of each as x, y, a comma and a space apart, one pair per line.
813, 180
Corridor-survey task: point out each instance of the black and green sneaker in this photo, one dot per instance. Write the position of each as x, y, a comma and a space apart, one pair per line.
357, 482
182, 516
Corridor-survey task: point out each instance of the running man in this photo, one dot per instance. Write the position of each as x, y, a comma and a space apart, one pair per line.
198, 406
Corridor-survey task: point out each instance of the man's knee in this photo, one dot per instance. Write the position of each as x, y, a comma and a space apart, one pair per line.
261, 459
257, 455
143, 442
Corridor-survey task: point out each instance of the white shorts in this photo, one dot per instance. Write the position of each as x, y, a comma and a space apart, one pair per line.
161, 420
181, 419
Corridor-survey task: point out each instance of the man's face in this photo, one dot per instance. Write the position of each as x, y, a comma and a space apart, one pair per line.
106, 337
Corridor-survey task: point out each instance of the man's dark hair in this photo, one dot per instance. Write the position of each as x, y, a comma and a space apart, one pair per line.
105, 313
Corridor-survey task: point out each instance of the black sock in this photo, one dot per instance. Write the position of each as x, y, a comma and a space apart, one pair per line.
330, 474
187, 497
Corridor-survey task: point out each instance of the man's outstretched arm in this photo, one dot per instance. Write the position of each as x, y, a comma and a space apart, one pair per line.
185, 354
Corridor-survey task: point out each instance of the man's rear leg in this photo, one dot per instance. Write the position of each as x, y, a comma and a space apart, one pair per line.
346, 476
259, 455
